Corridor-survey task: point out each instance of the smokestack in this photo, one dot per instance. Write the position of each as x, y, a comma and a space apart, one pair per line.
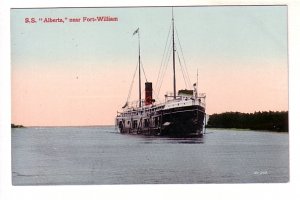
148, 93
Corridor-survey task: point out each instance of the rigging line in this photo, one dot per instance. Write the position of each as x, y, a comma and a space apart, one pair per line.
189, 81
185, 72
156, 96
167, 55
130, 89
181, 50
184, 78
164, 55
165, 65
163, 58
144, 71
165, 70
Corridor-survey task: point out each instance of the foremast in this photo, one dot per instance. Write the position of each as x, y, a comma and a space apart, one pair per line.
140, 89
174, 71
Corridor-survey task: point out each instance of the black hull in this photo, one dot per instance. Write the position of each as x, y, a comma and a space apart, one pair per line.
185, 121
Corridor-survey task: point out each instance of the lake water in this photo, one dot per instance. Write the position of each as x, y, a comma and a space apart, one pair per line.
100, 155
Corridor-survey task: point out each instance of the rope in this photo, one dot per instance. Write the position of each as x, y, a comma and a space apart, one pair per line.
163, 59
130, 89
165, 69
182, 70
186, 70
144, 71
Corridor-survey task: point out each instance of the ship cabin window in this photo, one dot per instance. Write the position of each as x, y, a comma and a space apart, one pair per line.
146, 123
156, 121
134, 124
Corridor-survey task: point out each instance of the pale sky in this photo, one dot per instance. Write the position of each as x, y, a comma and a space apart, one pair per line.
80, 73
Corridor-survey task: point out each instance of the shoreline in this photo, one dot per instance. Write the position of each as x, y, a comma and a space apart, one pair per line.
240, 129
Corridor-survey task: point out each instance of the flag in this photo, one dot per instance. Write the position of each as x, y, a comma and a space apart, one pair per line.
136, 31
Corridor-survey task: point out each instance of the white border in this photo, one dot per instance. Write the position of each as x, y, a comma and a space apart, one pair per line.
205, 191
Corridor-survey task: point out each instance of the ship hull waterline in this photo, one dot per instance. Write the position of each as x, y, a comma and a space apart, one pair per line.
185, 121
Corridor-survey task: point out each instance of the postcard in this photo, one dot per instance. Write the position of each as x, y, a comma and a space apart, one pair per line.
149, 95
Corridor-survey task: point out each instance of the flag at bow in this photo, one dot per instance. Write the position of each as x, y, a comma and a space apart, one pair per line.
136, 31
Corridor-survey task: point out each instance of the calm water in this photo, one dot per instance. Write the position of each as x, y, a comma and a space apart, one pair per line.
99, 155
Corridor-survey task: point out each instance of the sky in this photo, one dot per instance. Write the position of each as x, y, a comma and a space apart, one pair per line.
68, 74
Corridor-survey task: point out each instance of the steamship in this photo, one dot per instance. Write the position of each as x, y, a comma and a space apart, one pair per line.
182, 114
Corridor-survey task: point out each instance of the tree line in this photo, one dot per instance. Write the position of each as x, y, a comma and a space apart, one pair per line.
16, 126
272, 121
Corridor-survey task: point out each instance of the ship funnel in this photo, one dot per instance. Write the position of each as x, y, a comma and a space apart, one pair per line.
148, 93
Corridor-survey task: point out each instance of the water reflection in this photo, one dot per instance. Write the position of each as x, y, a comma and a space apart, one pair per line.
168, 140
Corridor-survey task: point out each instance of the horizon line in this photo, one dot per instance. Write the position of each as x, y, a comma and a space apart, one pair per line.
37, 126
94, 125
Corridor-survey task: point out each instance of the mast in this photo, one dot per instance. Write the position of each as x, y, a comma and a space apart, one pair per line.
140, 92
197, 85
174, 75
137, 31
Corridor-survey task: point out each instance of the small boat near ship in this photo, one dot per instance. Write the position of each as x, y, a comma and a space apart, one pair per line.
182, 114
